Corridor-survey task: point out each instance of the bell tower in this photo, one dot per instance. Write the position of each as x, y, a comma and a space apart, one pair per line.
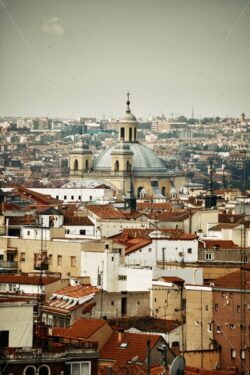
81, 159
128, 125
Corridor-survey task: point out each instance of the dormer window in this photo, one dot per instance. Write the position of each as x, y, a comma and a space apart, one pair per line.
124, 345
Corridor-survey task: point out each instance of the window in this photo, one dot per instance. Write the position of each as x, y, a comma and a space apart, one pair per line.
190, 251
79, 197
248, 306
50, 260
149, 250
218, 329
112, 303
122, 133
138, 302
206, 307
67, 231
4, 338
216, 306
44, 370
233, 353
242, 354
76, 165
30, 370
28, 232
112, 259
209, 327
22, 259
79, 368
155, 299
122, 277
82, 232
59, 260
130, 134
90, 197
232, 326
87, 165
238, 308
208, 256
65, 197
73, 261
57, 196
116, 166
72, 197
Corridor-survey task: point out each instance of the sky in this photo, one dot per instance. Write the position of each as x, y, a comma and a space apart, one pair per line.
78, 58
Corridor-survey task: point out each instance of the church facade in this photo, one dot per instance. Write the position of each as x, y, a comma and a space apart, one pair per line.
126, 164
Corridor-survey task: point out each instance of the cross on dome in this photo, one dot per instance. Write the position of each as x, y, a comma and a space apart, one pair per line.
128, 102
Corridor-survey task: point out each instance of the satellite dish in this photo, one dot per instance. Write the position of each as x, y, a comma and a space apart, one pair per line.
178, 366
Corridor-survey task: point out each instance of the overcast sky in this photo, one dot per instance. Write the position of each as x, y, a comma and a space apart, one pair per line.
72, 58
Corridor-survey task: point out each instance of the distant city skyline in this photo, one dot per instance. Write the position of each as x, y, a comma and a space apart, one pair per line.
78, 58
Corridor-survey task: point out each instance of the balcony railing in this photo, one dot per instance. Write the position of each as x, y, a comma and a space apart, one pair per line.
8, 265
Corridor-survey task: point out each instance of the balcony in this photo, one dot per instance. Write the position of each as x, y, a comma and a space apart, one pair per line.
8, 265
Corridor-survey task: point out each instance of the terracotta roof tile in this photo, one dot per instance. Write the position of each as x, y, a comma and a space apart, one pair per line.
77, 220
106, 211
136, 345
234, 280
220, 244
27, 279
81, 328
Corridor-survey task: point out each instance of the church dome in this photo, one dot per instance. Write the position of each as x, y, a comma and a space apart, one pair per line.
145, 161
129, 117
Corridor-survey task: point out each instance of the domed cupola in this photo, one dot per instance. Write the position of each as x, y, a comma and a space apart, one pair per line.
128, 125
80, 159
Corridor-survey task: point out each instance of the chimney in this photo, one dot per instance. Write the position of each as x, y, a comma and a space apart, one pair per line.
120, 335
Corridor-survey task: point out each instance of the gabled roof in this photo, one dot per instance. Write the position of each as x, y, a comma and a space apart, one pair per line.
233, 280
81, 328
27, 279
51, 211
71, 298
220, 226
105, 211
219, 244
171, 216
78, 220
136, 346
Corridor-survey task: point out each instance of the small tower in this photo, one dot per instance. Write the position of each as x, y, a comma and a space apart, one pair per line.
80, 160
128, 125
122, 158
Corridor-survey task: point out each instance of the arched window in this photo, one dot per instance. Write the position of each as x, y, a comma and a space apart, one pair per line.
130, 134
87, 165
122, 133
44, 370
76, 165
139, 191
29, 370
117, 166
128, 166
163, 191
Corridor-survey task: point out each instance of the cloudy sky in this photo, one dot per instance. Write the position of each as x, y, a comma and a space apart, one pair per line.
72, 58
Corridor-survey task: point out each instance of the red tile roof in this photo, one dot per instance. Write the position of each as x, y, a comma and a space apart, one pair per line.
233, 280
221, 244
81, 328
136, 346
70, 298
27, 279
77, 220
105, 211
